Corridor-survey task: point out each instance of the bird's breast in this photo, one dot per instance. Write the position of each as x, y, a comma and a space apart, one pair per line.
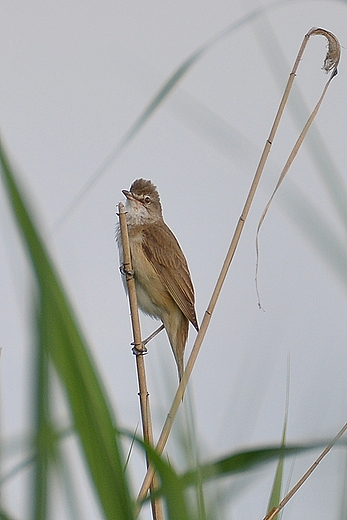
152, 296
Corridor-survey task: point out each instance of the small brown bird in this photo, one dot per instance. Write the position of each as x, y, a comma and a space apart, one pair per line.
163, 285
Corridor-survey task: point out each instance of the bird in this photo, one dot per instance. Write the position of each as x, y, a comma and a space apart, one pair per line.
164, 287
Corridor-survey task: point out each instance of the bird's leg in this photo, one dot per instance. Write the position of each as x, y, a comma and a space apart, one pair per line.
153, 335
140, 349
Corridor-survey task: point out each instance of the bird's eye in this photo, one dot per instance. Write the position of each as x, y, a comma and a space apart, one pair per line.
147, 199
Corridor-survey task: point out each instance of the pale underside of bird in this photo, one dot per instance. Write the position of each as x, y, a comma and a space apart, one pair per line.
163, 284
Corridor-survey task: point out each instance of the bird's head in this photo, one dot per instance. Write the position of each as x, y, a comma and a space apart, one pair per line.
143, 203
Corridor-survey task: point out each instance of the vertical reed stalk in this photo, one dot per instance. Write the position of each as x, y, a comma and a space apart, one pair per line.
139, 351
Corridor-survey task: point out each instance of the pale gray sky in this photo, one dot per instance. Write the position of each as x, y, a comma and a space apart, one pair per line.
75, 76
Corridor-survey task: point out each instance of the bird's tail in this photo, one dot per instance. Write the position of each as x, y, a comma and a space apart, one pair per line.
177, 330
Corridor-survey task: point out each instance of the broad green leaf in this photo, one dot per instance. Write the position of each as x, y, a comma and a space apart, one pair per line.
64, 344
171, 486
242, 462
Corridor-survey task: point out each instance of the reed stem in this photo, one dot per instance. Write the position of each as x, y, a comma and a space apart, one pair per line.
139, 351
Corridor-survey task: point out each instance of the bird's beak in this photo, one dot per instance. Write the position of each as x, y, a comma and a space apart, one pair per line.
128, 195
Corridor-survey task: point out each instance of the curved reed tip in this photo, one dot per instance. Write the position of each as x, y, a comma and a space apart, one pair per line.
334, 49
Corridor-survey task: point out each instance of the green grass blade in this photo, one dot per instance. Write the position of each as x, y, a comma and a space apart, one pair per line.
171, 489
307, 216
42, 438
158, 99
242, 462
18, 468
64, 344
317, 229
171, 486
4, 516
275, 496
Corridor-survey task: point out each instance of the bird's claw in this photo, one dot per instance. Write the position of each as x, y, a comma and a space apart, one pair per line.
125, 271
139, 349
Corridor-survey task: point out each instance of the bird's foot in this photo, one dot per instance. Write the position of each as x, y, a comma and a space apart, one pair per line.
125, 271
139, 349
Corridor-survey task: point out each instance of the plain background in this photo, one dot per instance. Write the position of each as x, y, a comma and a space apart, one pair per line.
75, 77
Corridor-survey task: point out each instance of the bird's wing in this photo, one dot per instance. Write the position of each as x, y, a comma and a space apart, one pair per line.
170, 264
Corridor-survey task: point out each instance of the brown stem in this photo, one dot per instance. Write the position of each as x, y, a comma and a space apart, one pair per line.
139, 349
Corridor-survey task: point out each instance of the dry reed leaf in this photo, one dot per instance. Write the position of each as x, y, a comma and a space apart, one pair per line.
334, 49
330, 64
